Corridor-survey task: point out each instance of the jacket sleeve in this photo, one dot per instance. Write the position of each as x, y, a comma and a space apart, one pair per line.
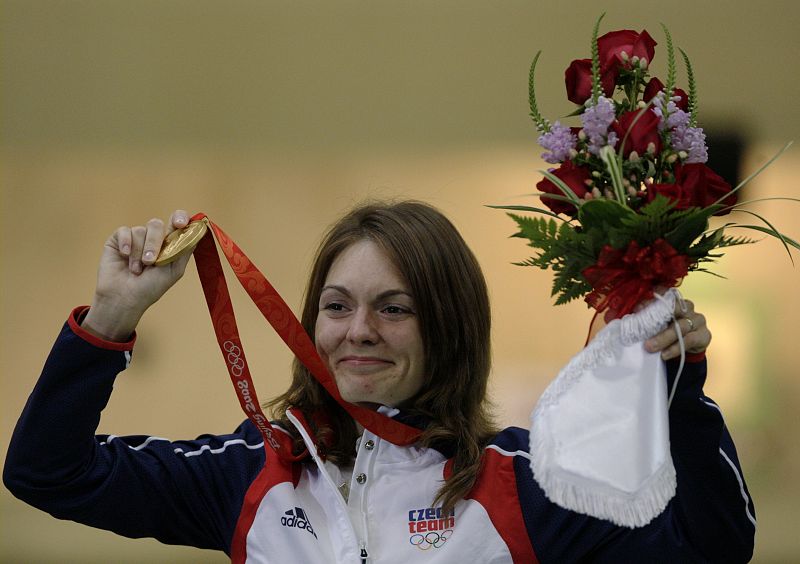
710, 519
185, 492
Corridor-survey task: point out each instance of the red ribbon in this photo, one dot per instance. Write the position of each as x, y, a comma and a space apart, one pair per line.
290, 330
622, 278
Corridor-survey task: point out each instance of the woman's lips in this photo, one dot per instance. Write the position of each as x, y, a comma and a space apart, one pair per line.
363, 361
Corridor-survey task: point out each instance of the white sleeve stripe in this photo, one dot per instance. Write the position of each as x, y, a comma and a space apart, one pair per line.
711, 404
204, 448
137, 447
127, 359
741, 486
509, 453
733, 467
148, 441
108, 440
226, 444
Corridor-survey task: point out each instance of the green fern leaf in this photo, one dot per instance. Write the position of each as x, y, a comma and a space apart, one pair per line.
541, 124
693, 103
596, 86
670, 65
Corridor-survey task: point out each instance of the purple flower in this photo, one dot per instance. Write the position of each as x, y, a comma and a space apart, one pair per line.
596, 120
692, 140
559, 141
675, 117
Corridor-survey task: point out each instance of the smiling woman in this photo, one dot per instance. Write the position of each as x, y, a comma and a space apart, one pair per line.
367, 330
396, 278
399, 311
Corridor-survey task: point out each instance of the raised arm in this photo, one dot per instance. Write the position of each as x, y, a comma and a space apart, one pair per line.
185, 492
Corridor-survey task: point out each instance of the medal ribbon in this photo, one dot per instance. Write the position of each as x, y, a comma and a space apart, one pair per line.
283, 321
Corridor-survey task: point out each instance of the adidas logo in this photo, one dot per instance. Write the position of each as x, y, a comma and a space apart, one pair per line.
297, 518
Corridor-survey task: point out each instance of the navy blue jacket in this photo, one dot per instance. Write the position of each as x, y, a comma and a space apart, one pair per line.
196, 492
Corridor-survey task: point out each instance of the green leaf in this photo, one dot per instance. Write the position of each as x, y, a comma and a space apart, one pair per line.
658, 218
729, 241
528, 209
658, 207
576, 112
757, 172
541, 123
709, 272
613, 164
558, 197
532, 228
740, 204
617, 238
716, 239
690, 228
771, 230
595, 50
670, 86
573, 198
603, 214
562, 249
693, 102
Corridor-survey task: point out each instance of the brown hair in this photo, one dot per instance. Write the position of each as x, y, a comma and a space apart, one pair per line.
452, 307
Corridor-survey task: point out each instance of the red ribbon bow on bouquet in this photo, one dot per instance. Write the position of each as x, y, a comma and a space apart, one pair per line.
623, 278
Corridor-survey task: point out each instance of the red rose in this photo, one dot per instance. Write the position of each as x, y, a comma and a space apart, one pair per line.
673, 192
655, 86
683, 103
640, 132
573, 176
704, 186
578, 78
613, 43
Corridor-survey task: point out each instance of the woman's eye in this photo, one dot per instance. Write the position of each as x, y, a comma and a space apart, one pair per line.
396, 310
334, 306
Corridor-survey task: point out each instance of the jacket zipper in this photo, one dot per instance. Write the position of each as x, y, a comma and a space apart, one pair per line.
339, 499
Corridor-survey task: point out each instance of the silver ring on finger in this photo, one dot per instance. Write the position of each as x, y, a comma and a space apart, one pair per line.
691, 324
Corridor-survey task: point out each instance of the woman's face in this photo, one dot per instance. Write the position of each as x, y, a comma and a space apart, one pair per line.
367, 329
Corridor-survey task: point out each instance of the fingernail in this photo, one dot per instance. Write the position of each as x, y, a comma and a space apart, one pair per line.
126, 249
148, 255
136, 267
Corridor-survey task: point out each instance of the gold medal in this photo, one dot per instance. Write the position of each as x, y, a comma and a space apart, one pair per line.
182, 241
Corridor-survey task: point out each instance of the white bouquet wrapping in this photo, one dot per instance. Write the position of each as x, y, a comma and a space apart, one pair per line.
600, 431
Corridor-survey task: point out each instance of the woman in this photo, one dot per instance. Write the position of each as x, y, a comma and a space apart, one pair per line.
398, 310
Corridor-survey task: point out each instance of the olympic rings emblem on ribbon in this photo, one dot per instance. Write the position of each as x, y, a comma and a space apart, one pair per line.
235, 361
431, 539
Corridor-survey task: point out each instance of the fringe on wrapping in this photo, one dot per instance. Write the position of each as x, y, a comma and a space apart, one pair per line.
628, 509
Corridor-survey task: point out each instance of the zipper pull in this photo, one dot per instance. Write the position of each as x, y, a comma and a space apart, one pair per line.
364, 554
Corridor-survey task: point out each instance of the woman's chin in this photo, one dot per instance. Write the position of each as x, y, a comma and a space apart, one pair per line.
359, 397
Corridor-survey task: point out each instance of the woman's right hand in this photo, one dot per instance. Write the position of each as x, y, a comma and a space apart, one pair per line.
127, 280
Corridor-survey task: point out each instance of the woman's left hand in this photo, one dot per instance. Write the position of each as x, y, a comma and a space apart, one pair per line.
696, 335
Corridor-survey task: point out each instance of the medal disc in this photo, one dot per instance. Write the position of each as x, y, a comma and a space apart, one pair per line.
181, 241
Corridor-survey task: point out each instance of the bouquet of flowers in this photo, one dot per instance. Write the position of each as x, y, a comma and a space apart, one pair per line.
627, 211
630, 202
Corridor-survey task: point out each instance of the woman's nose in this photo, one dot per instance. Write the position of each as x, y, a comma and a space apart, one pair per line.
363, 328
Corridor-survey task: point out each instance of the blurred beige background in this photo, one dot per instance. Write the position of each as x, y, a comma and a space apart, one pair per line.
274, 117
